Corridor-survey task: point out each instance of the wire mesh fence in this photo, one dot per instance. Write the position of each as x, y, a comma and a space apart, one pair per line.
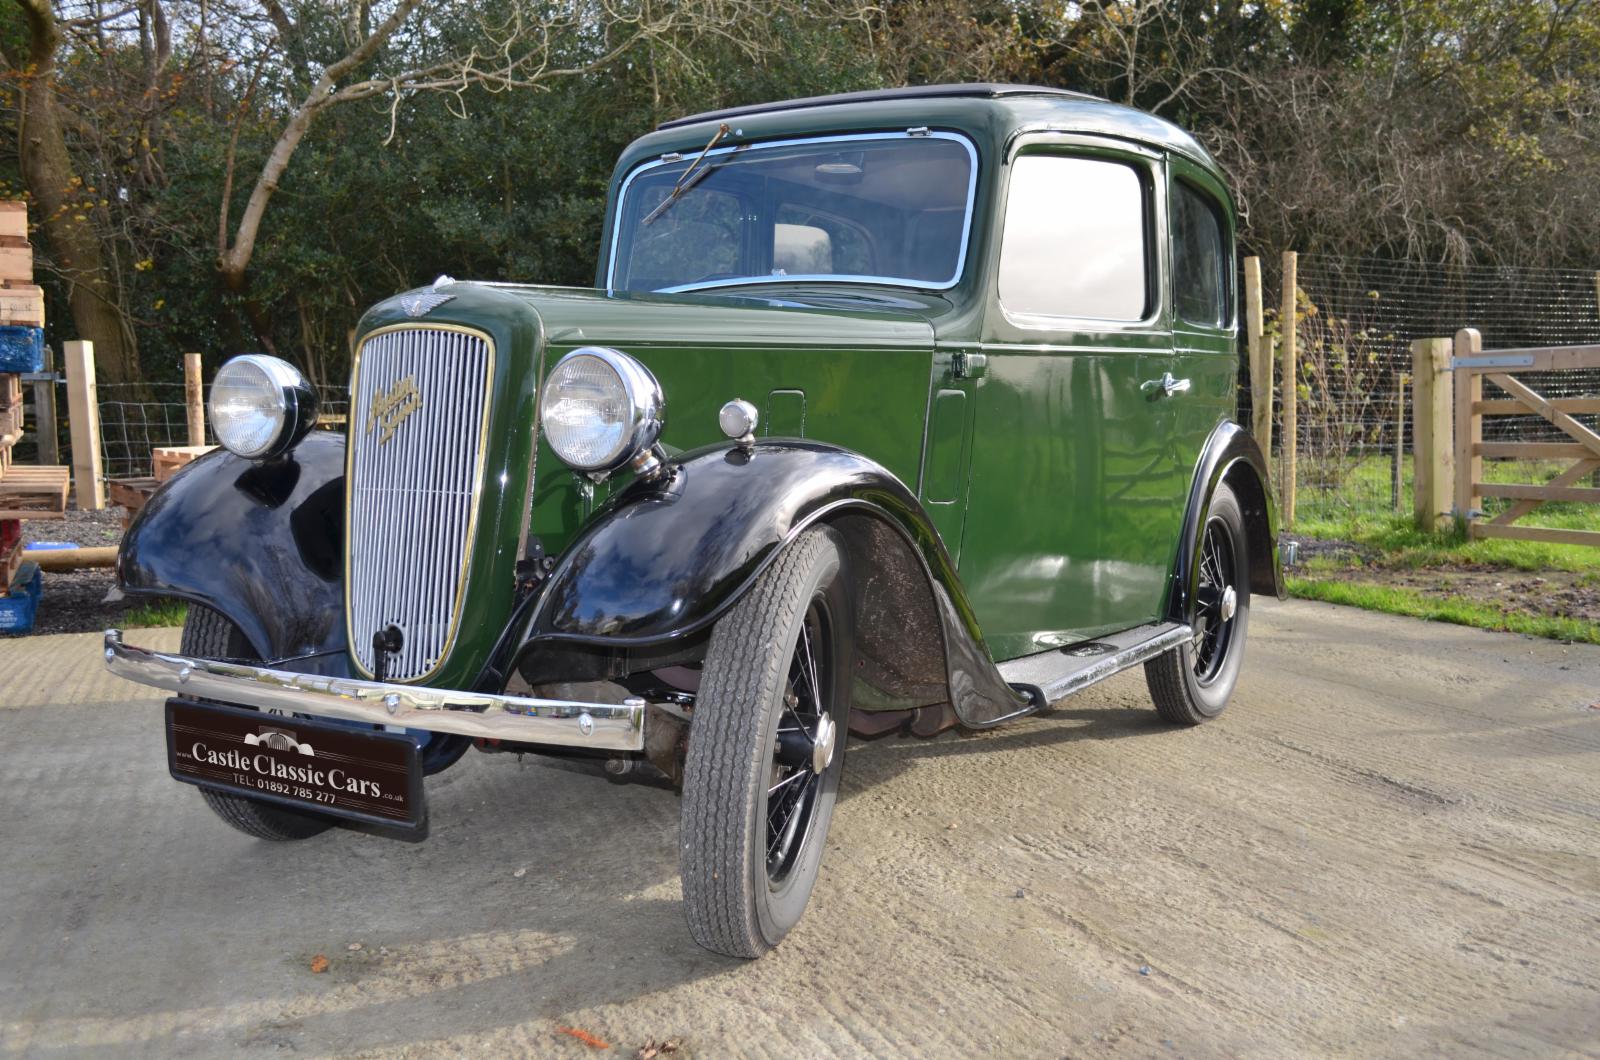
138, 417
1357, 318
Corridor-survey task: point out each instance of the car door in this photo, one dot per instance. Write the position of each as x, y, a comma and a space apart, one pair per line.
1204, 310
1071, 513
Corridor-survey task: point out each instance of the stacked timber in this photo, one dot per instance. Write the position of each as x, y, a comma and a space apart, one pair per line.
26, 492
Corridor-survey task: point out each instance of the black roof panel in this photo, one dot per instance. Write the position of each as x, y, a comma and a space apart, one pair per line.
981, 90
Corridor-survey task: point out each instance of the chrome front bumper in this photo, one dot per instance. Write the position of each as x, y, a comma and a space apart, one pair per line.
519, 719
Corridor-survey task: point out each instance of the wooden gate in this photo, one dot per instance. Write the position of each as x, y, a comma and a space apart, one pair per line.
1500, 368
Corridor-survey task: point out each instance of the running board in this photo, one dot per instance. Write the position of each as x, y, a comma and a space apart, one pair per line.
1062, 671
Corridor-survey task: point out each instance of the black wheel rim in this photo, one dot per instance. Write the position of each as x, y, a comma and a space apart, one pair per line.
794, 785
1215, 602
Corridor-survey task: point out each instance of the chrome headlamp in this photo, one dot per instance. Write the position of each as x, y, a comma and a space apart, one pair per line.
600, 409
260, 406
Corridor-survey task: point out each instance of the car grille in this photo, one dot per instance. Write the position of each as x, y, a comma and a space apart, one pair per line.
417, 425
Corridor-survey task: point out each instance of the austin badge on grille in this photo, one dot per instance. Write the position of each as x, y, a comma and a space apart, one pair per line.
391, 407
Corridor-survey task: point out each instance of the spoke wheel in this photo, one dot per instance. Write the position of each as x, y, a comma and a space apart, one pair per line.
766, 750
208, 635
804, 748
1193, 682
1216, 600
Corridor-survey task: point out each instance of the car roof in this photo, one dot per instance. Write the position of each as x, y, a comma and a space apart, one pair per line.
1015, 107
982, 90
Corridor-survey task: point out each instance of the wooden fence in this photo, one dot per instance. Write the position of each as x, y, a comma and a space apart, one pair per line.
1472, 368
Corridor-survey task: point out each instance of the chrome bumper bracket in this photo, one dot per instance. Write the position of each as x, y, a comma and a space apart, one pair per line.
482, 715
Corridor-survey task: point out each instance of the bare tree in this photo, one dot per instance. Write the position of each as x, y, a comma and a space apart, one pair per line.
526, 46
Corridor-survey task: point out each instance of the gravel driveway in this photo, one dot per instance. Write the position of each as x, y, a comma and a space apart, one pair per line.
1390, 845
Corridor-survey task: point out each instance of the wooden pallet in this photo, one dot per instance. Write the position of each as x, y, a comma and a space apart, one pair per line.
10, 420
131, 493
169, 459
16, 264
10, 563
28, 492
10, 417
22, 305
14, 220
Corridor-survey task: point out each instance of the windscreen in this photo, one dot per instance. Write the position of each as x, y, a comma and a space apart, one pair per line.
881, 208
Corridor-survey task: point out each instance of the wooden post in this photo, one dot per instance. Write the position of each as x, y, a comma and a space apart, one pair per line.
1469, 431
44, 412
1260, 358
192, 399
1398, 487
83, 420
1288, 321
1433, 460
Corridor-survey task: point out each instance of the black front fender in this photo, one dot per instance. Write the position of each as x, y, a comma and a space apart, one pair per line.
663, 560
259, 542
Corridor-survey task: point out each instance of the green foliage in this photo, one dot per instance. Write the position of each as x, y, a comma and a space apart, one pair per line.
383, 194
1446, 129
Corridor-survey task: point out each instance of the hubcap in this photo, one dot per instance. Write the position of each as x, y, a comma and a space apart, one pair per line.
822, 751
1217, 602
804, 749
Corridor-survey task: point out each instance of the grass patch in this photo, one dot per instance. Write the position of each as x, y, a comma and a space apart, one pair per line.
1399, 600
156, 613
1360, 510
1445, 577
1403, 545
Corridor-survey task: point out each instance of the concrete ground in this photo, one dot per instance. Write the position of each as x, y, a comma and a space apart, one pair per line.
1389, 845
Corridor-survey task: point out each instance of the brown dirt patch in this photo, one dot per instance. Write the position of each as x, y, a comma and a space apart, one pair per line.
1553, 593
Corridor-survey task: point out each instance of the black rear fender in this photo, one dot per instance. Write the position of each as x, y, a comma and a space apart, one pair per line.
1230, 456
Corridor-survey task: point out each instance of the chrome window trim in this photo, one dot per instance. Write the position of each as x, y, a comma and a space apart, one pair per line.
1149, 164
888, 281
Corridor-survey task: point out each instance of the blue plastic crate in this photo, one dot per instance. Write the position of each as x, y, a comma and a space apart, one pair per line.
21, 349
17, 610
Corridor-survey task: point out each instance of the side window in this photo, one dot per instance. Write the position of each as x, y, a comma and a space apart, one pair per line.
1074, 242
810, 241
1199, 260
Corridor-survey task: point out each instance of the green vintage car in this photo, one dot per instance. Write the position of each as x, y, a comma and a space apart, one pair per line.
888, 412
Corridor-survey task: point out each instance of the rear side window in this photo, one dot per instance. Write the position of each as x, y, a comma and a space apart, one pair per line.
1074, 243
1199, 270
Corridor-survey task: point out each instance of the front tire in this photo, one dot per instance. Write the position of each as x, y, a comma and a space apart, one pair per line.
208, 635
766, 750
1193, 683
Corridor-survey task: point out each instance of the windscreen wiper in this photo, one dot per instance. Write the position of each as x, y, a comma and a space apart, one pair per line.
690, 177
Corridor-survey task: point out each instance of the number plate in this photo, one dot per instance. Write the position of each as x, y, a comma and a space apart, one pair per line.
363, 776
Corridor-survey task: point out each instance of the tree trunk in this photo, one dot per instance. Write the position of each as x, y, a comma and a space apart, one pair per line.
47, 170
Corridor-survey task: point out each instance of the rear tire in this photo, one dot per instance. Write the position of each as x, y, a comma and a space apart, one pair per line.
208, 635
1193, 682
766, 750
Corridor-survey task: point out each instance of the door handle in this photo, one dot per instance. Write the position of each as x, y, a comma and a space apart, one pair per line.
967, 365
1166, 386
